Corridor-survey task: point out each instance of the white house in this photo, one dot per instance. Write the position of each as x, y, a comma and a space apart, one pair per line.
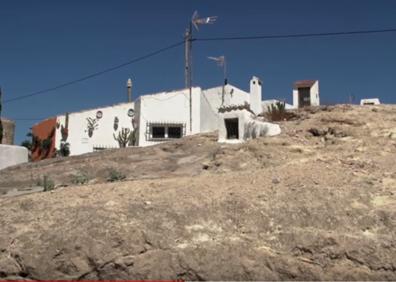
370, 101
152, 118
306, 93
93, 130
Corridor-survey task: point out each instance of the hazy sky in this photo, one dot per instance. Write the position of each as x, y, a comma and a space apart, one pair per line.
45, 43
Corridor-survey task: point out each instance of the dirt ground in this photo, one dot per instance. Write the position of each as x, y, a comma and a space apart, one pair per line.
316, 202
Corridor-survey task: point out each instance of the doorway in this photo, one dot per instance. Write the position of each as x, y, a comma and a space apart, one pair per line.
304, 97
232, 128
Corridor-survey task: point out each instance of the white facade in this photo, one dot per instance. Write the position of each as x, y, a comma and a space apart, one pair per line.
168, 110
247, 126
211, 101
157, 118
104, 128
370, 101
313, 98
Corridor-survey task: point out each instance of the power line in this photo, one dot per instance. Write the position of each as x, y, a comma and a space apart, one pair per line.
26, 119
297, 35
96, 73
255, 37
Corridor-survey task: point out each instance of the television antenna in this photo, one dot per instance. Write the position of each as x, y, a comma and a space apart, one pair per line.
221, 62
195, 21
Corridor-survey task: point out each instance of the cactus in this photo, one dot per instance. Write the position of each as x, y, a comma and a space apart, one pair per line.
115, 124
277, 111
124, 137
65, 129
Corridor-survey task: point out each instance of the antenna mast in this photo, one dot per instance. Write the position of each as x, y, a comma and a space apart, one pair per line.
188, 67
195, 20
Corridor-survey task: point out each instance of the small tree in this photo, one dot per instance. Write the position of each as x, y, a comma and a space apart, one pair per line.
27, 144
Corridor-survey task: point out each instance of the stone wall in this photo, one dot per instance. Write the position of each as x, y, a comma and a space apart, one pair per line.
8, 131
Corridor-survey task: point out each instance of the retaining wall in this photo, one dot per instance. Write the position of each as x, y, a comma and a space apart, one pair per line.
12, 155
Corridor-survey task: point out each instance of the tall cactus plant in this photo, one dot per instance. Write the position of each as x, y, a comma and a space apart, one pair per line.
1, 124
123, 137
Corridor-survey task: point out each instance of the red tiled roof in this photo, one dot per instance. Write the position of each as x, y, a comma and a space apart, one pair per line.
304, 83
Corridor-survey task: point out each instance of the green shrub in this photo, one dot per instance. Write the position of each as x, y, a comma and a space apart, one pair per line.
27, 144
277, 111
80, 178
115, 175
64, 150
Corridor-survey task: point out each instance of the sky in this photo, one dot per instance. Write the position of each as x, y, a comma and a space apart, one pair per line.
45, 43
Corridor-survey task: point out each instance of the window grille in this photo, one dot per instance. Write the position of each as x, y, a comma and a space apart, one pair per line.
164, 131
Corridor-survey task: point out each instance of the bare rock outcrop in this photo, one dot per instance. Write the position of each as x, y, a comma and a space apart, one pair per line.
292, 207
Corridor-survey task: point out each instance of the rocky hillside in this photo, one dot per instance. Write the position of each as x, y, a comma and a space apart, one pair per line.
317, 202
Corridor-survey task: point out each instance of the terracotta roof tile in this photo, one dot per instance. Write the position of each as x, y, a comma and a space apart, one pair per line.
303, 83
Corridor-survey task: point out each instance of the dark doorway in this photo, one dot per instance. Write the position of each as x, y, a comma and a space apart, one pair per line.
304, 97
232, 128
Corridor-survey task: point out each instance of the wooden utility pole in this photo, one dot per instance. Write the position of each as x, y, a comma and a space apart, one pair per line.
195, 20
188, 67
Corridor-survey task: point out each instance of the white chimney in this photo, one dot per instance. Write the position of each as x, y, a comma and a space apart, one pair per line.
255, 95
129, 88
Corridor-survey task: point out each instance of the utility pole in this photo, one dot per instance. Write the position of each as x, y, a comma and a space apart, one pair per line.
195, 21
188, 67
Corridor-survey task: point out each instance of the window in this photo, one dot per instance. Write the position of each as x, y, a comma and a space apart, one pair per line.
164, 131
174, 132
158, 131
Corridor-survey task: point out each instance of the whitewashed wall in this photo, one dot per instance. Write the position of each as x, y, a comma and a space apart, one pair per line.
249, 127
295, 99
370, 101
78, 138
243, 116
12, 155
315, 99
211, 102
255, 95
168, 107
